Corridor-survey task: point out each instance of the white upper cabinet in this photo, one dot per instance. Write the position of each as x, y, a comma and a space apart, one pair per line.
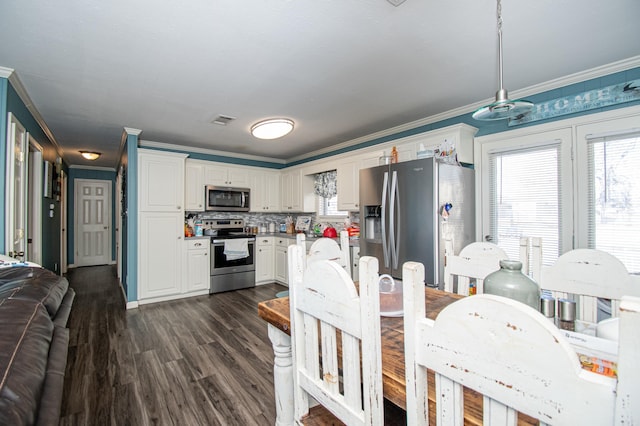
194, 186
221, 175
265, 191
297, 192
289, 194
161, 181
348, 188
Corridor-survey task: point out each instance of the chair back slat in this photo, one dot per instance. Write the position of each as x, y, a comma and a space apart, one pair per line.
498, 414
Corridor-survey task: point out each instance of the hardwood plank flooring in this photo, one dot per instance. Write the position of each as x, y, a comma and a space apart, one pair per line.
204, 360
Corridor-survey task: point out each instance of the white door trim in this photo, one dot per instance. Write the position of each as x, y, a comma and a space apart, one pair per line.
10, 195
35, 199
63, 222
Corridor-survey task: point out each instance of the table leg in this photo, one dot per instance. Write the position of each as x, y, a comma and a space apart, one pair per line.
282, 375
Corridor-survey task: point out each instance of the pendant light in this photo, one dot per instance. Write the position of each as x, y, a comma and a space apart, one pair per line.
503, 107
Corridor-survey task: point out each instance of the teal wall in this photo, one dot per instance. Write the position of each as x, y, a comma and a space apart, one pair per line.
11, 102
75, 173
131, 195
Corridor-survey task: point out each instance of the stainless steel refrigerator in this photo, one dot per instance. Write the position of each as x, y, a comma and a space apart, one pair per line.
408, 209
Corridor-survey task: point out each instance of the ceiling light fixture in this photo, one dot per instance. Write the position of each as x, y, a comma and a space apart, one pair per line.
89, 155
272, 129
503, 107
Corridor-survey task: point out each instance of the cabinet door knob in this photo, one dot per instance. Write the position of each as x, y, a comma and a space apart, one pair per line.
178, 207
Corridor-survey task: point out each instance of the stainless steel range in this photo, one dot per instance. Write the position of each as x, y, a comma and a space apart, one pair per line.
232, 255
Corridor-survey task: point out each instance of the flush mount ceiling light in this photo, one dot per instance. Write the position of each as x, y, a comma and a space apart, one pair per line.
503, 107
89, 155
272, 129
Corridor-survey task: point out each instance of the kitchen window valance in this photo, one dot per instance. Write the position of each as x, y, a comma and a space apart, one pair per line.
326, 184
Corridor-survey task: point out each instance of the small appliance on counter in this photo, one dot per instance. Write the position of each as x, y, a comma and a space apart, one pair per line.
330, 232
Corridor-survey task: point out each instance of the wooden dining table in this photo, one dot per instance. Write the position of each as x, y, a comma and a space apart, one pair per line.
277, 315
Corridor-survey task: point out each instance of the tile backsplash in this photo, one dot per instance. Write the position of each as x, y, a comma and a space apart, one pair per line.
255, 219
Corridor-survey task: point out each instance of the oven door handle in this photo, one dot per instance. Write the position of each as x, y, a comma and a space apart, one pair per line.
221, 242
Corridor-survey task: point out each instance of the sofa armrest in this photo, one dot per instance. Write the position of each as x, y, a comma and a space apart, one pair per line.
62, 316
50, 404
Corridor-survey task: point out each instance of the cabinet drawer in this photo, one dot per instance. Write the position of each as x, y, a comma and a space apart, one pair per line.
198, 244
264, 241
284, 242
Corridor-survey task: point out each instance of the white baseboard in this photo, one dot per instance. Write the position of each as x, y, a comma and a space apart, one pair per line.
173, 297
132, 305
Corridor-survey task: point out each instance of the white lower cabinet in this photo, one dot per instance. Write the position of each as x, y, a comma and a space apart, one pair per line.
281, 272
198, 264
264, 260
160, 240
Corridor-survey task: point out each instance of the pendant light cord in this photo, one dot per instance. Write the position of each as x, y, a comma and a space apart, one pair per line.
499, 16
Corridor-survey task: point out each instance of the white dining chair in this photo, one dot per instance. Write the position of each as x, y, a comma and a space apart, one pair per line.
515, 358
335, 336
531, 256
474, 262
328, 248
586, 275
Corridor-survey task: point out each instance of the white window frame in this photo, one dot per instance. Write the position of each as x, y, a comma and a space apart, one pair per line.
573, 159
600, 128
509, 141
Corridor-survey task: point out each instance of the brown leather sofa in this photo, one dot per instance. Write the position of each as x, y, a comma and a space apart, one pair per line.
35, 305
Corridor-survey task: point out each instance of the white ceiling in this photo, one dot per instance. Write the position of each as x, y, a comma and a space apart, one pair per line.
341, 69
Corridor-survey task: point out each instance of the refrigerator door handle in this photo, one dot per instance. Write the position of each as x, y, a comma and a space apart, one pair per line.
383, 217
395, 236
394, 205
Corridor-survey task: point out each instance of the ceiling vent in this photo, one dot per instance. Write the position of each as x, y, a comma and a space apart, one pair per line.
222, 120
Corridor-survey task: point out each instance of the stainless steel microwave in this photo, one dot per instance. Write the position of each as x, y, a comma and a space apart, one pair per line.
225, 199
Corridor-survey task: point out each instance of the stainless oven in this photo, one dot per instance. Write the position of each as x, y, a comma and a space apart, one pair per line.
231, 272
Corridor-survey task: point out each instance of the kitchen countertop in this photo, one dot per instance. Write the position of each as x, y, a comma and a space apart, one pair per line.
352, 242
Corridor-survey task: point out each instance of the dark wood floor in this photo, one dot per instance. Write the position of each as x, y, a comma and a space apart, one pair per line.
204, 360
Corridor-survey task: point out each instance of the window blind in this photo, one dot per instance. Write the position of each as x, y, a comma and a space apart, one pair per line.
525, 198
613, 172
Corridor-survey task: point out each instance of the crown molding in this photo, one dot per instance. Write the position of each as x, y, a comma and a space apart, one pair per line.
6, 72
183, 148
98, 168
132, 131
557, 83
17, 85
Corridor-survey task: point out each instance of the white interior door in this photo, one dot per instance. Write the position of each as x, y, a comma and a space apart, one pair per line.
16, 188
93, 222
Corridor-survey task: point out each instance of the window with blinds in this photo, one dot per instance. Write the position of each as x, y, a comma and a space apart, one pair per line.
525, 198
614, 197
328, 208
